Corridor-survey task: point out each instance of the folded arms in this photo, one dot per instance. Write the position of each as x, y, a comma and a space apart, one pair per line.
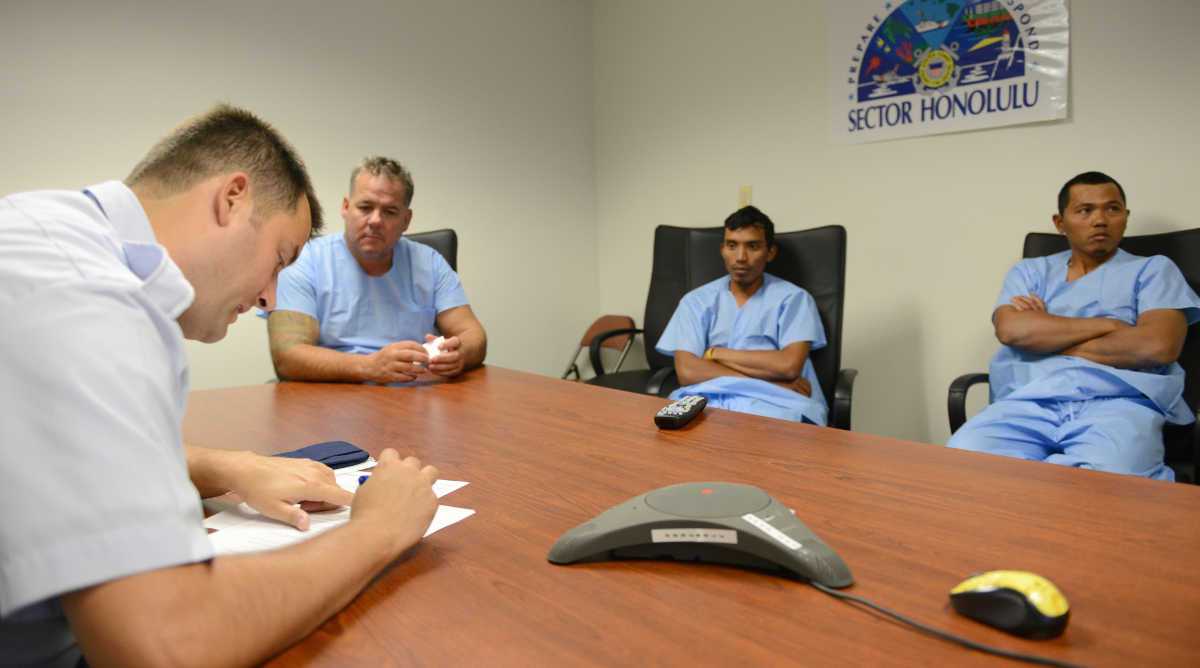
1155, 340
781, 367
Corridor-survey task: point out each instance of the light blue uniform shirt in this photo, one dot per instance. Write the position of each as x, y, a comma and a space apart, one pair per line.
94, 485
1123, 288
776, 316
361, 314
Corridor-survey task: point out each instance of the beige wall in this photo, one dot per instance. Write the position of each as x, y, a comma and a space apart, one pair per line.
697, 97
554, 135
488, 103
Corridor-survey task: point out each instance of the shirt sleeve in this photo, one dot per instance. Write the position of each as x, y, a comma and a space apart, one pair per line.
1020, 281
448, 291
687, 330
297, 287
799, 321
1162, 285
94, 485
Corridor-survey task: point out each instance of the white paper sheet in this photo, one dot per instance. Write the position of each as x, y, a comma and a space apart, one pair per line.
242, 530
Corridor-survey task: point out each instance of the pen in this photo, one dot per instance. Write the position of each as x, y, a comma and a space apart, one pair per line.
363, 478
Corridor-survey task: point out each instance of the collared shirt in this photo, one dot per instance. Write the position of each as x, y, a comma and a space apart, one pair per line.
94, 484
361, 314
776, 316
1122, 288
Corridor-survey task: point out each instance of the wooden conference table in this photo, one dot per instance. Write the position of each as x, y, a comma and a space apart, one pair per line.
911, 520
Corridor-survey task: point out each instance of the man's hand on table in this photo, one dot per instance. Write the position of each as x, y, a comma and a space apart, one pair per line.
273, 485
398, 498
399, 362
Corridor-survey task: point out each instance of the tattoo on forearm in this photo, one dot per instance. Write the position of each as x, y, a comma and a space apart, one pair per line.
287, 328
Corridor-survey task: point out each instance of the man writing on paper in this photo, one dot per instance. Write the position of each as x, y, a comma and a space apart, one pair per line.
1086, 374
101, 545
356, 307
743, 340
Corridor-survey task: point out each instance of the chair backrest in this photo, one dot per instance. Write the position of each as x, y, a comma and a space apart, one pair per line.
669, 282
607, 323
442, 241
811, 259
1182, 248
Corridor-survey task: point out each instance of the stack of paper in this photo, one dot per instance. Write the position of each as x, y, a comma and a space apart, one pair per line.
243, 530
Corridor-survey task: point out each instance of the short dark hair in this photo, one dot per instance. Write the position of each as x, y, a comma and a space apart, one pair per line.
224, 140
1087, 179
749, 216
386, 168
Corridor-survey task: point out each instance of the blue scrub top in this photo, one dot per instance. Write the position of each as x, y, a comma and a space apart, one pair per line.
1122, 288
359, 313
776, 316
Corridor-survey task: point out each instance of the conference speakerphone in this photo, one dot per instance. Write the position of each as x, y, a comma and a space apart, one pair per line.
715, 522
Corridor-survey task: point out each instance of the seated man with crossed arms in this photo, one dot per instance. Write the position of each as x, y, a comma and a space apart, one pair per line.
1086, 374
743, 340
356, 307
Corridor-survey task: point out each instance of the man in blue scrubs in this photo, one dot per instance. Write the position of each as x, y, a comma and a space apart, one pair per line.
1086, 375
357, 307
743, 340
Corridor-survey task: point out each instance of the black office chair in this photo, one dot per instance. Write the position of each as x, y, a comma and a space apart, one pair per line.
686, 258
1183, 248
442, 241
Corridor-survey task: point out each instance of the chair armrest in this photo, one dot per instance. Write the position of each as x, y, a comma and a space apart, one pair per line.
842, 394
956, 404
654, 387
1196, 456
594, 348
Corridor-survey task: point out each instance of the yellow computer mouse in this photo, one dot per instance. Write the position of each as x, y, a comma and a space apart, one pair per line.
1020, 603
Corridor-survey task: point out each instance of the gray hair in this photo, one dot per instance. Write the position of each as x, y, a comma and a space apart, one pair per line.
387, 168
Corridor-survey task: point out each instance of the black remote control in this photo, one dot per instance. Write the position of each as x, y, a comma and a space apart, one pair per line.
680, 412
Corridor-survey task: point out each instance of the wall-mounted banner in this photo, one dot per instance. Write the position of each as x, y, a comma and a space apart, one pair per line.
920, 67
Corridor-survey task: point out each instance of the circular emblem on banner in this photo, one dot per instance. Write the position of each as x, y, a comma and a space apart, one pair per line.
936, 68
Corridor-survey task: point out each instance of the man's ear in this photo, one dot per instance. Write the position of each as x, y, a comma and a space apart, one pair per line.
771, 253
233, 199
407, 221
1058, 223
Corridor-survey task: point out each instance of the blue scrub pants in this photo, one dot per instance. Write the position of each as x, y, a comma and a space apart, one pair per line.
733, 402
1117, 434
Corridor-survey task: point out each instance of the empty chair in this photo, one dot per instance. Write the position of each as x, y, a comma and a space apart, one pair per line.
621, 342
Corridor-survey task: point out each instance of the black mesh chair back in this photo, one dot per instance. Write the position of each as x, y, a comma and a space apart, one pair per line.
1182, 248
442, 241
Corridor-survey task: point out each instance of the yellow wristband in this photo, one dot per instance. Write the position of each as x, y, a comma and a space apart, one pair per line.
708, 354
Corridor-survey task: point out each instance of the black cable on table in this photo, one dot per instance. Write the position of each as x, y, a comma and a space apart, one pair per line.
943, 634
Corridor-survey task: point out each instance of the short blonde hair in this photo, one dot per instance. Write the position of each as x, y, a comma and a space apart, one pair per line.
223, 140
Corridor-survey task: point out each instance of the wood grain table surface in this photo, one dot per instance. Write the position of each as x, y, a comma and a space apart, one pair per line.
910, 519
